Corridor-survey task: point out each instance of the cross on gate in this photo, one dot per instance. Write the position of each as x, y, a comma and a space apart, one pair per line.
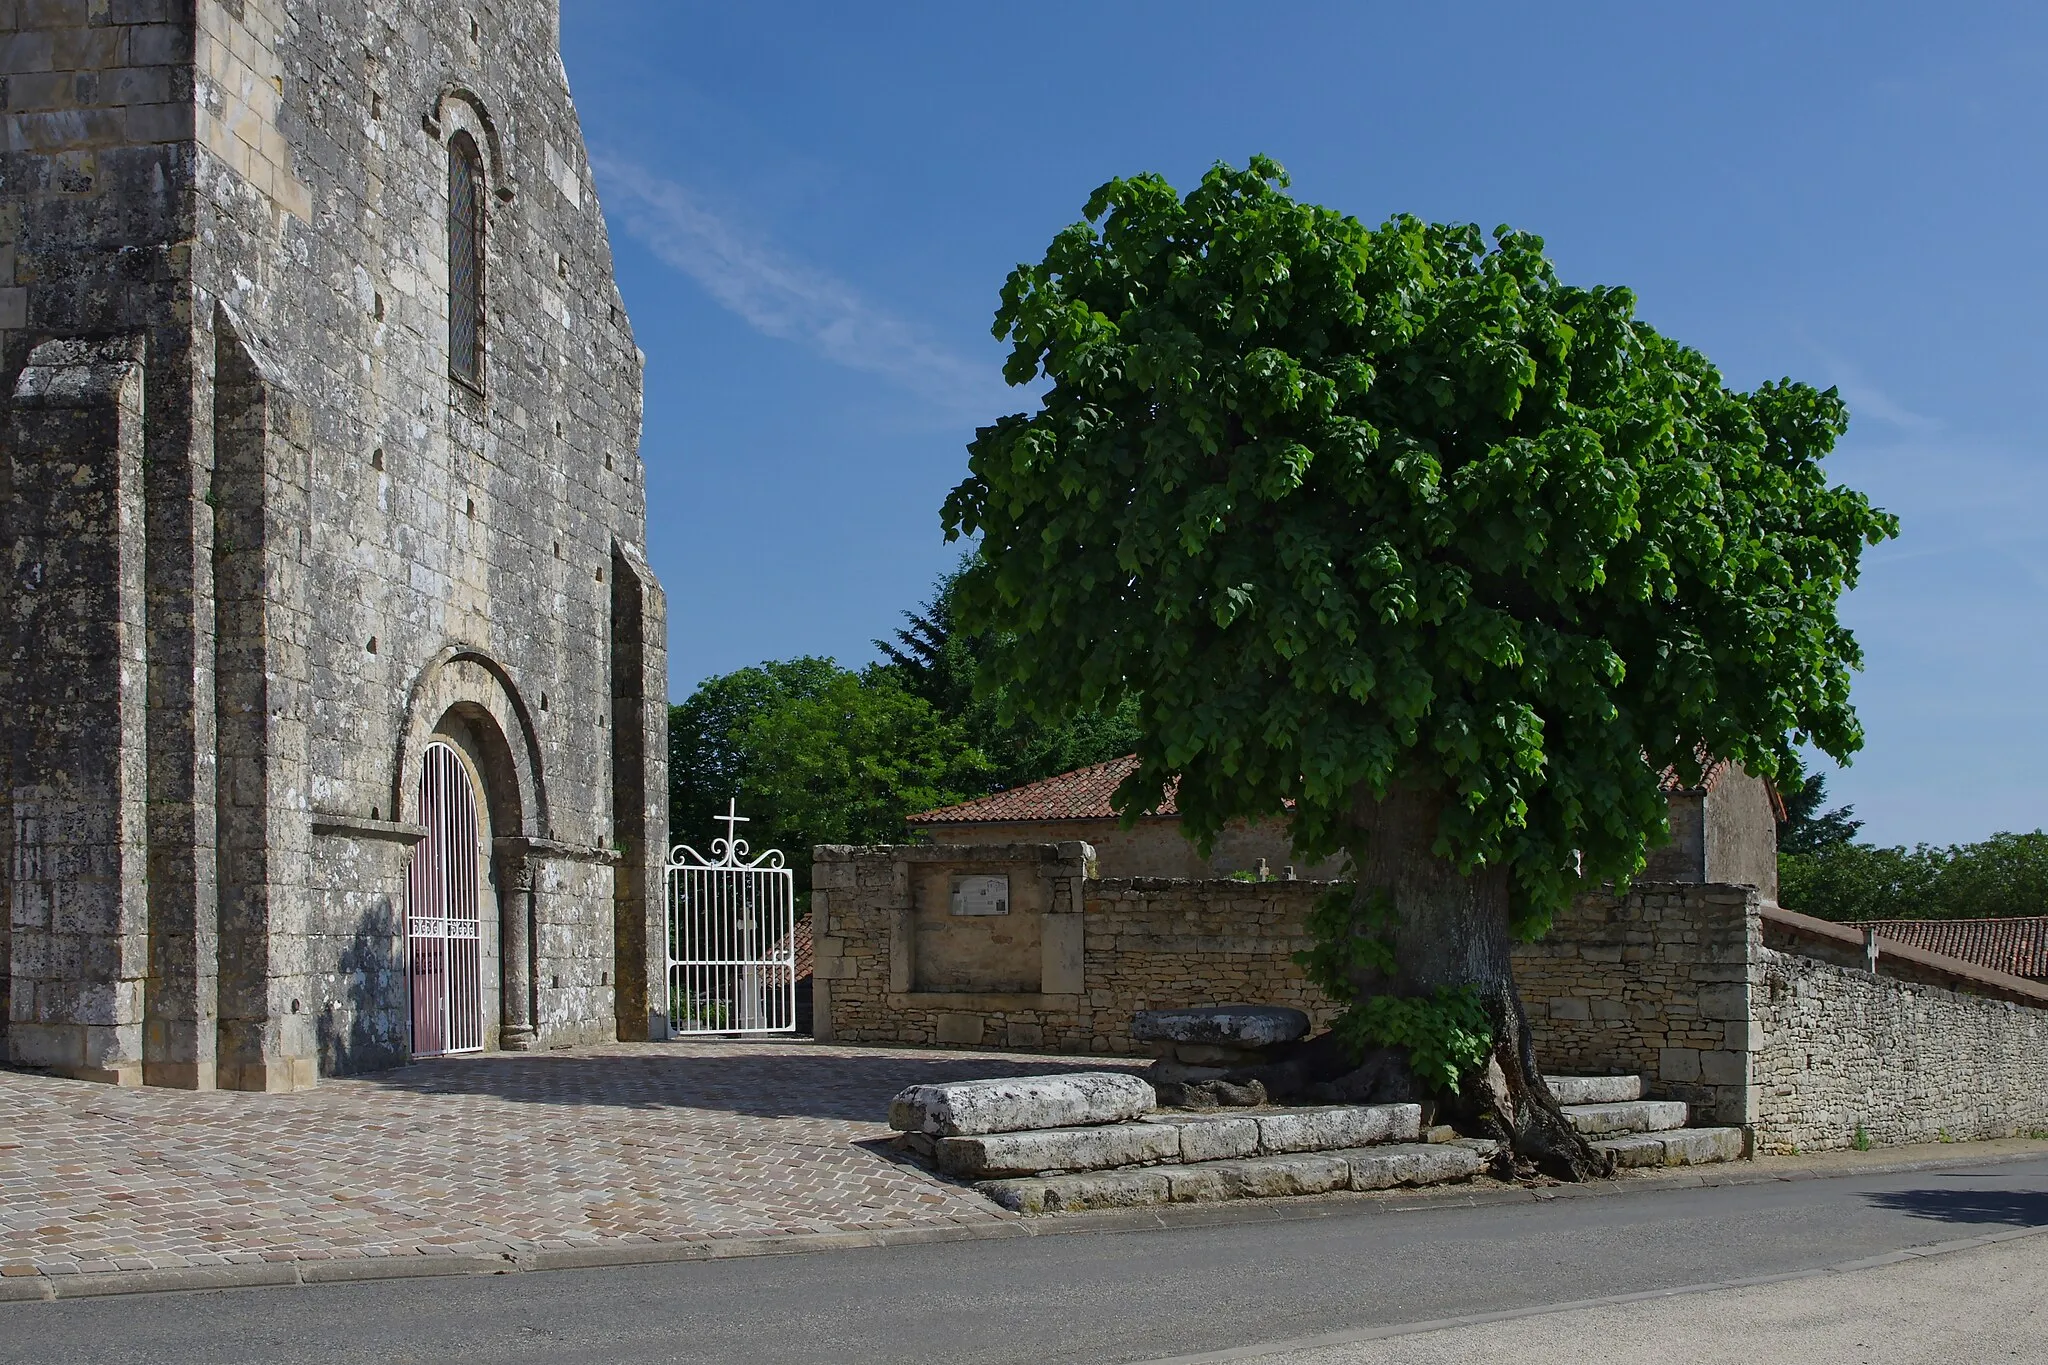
732, 819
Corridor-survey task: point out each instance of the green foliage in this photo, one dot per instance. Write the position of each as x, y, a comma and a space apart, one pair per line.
2005, 875
1448, 1035
1861, 1140
1342, 507
815, 754
1807, 827
1348, 941
936, 660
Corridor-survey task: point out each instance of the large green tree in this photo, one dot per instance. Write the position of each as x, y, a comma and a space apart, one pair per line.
1397, 535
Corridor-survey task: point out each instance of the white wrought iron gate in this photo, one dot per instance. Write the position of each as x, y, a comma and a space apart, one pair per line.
443, 928
731, 938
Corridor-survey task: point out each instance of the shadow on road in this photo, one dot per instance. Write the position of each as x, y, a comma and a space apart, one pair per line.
2004, 1208
767, 1084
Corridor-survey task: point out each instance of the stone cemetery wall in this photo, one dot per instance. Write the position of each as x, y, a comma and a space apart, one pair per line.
1842, 1048
1799, 1042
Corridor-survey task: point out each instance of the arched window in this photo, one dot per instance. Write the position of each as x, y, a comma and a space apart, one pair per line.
465, 261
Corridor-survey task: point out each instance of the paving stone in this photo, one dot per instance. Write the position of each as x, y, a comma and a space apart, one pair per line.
503, 1154
1337, 1126
1012, 1104
1595, 1089
1635, 1116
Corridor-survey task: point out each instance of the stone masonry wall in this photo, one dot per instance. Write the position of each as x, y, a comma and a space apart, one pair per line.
1841, 1047
348, 550
1135, 944
1670, 981
1654, 982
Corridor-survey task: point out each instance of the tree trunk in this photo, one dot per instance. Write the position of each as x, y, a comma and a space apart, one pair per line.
1451, 930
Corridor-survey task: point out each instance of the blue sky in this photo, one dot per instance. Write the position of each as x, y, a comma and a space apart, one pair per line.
813, 207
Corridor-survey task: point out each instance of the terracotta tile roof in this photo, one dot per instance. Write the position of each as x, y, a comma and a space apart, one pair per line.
1079, 795
2018, 946
1711, 773
1084, 795
802, 943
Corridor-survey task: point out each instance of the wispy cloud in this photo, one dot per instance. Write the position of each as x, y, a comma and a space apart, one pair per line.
1864, 397
790, 300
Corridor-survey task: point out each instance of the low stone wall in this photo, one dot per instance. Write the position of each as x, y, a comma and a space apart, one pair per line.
1672, 981
1842, 1048
1066, 966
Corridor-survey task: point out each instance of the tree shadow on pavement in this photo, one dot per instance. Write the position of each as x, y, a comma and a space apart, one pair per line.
765, 1083
2004, 1208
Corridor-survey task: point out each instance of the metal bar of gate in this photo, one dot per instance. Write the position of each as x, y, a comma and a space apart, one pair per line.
731, 939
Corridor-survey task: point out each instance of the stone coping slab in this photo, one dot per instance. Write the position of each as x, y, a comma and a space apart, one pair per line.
1240, 1026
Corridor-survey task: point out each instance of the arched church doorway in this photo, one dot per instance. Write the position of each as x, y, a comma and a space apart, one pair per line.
443, 920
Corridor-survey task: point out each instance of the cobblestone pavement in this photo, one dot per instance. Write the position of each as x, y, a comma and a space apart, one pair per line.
503, 1153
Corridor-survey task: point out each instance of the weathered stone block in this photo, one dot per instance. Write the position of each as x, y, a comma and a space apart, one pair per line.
1595, 1089
1322, 1130
1021, 1103
960, 1029
1381, 1168
1218, 1139
1074, 1193
1636, 1116
1057, 1149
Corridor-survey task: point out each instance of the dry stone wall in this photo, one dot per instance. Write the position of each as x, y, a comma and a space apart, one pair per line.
1842, 1048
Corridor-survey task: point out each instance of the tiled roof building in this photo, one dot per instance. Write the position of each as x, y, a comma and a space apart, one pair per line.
2018, 946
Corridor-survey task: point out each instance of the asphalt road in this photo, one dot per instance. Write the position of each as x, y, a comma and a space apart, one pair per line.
1095, 1297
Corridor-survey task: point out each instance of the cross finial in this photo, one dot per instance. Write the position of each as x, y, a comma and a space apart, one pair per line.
732, 819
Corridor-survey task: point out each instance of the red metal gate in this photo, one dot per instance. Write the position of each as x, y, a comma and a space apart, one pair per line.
443, 929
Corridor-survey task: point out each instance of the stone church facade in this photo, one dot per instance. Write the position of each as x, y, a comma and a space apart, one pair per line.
335, 671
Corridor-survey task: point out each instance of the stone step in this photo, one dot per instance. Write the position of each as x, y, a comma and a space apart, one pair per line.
1679, 1147
1595, 1089
1262, 1177
1632, 1116
1176, 1138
